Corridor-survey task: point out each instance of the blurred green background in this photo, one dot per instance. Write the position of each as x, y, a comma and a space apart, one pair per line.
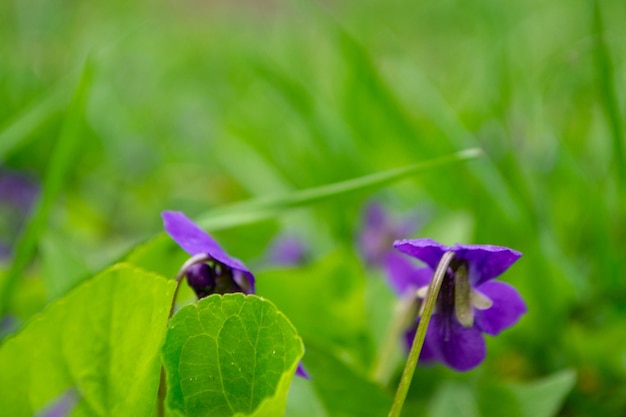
123, 109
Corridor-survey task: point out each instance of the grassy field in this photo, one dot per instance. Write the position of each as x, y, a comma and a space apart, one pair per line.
120, 110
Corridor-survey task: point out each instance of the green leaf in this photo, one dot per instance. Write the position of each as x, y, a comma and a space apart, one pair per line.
230, 355
302, 400
497, 399
342, 391
325, 301
544, 398
453, 399
62, 267
102, 339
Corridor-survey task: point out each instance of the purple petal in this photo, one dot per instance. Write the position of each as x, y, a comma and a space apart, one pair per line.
404, 275
373, 240
61, 406
426, 250
301, 372
486, 261
508, 306
18, 190
427, 354
194, 241
5, 250
458, 347
376, 217
287, 251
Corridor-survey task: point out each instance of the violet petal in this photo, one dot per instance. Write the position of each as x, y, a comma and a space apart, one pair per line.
404, 275
486, 261
427, 354
426, 250
301, 372
458, 347
287, 251
508, 306
61, 406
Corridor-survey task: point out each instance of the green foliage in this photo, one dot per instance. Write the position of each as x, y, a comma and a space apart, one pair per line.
103, 339
454, 399
65, 153
230, 355
342, 391
543, 398
283, 117
324, 301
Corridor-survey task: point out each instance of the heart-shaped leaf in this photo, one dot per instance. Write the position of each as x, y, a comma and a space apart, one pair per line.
230, 355
101, 340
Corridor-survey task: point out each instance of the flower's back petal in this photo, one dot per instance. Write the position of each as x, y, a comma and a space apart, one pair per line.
426, 250
189, 236
506, 310
458, 347
486, 261
404, 275
194, 241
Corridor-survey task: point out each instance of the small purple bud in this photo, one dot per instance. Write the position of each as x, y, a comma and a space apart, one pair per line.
201, 279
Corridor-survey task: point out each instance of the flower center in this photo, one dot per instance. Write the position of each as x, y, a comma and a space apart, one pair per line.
456, 298
213, 278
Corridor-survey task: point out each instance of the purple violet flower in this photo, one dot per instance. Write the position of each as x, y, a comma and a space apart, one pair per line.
18, 193
18, 190
224, 274
470, 301
379, 232
287, 251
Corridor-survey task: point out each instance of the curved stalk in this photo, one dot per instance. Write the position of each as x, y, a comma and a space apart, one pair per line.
420, 335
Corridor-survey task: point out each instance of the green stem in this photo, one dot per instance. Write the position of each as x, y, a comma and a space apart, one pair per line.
196, 259
420, 335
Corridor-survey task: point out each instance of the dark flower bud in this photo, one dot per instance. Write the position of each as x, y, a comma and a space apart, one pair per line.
201, 279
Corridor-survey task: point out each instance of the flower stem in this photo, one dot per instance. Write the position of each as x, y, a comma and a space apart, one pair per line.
196, 259
420, 335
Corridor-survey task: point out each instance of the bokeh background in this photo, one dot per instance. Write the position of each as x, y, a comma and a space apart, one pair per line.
111, 112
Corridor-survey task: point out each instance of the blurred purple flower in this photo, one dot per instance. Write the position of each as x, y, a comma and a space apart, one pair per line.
17, 190
470, 302
62, 406
287, 251
224, 274
18, 193
379, 232
8, 325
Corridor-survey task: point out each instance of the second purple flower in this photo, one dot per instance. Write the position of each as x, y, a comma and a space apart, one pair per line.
470, 301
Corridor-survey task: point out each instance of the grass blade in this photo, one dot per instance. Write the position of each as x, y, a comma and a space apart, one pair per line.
606, 80
22, 127
61, 162
262, 208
